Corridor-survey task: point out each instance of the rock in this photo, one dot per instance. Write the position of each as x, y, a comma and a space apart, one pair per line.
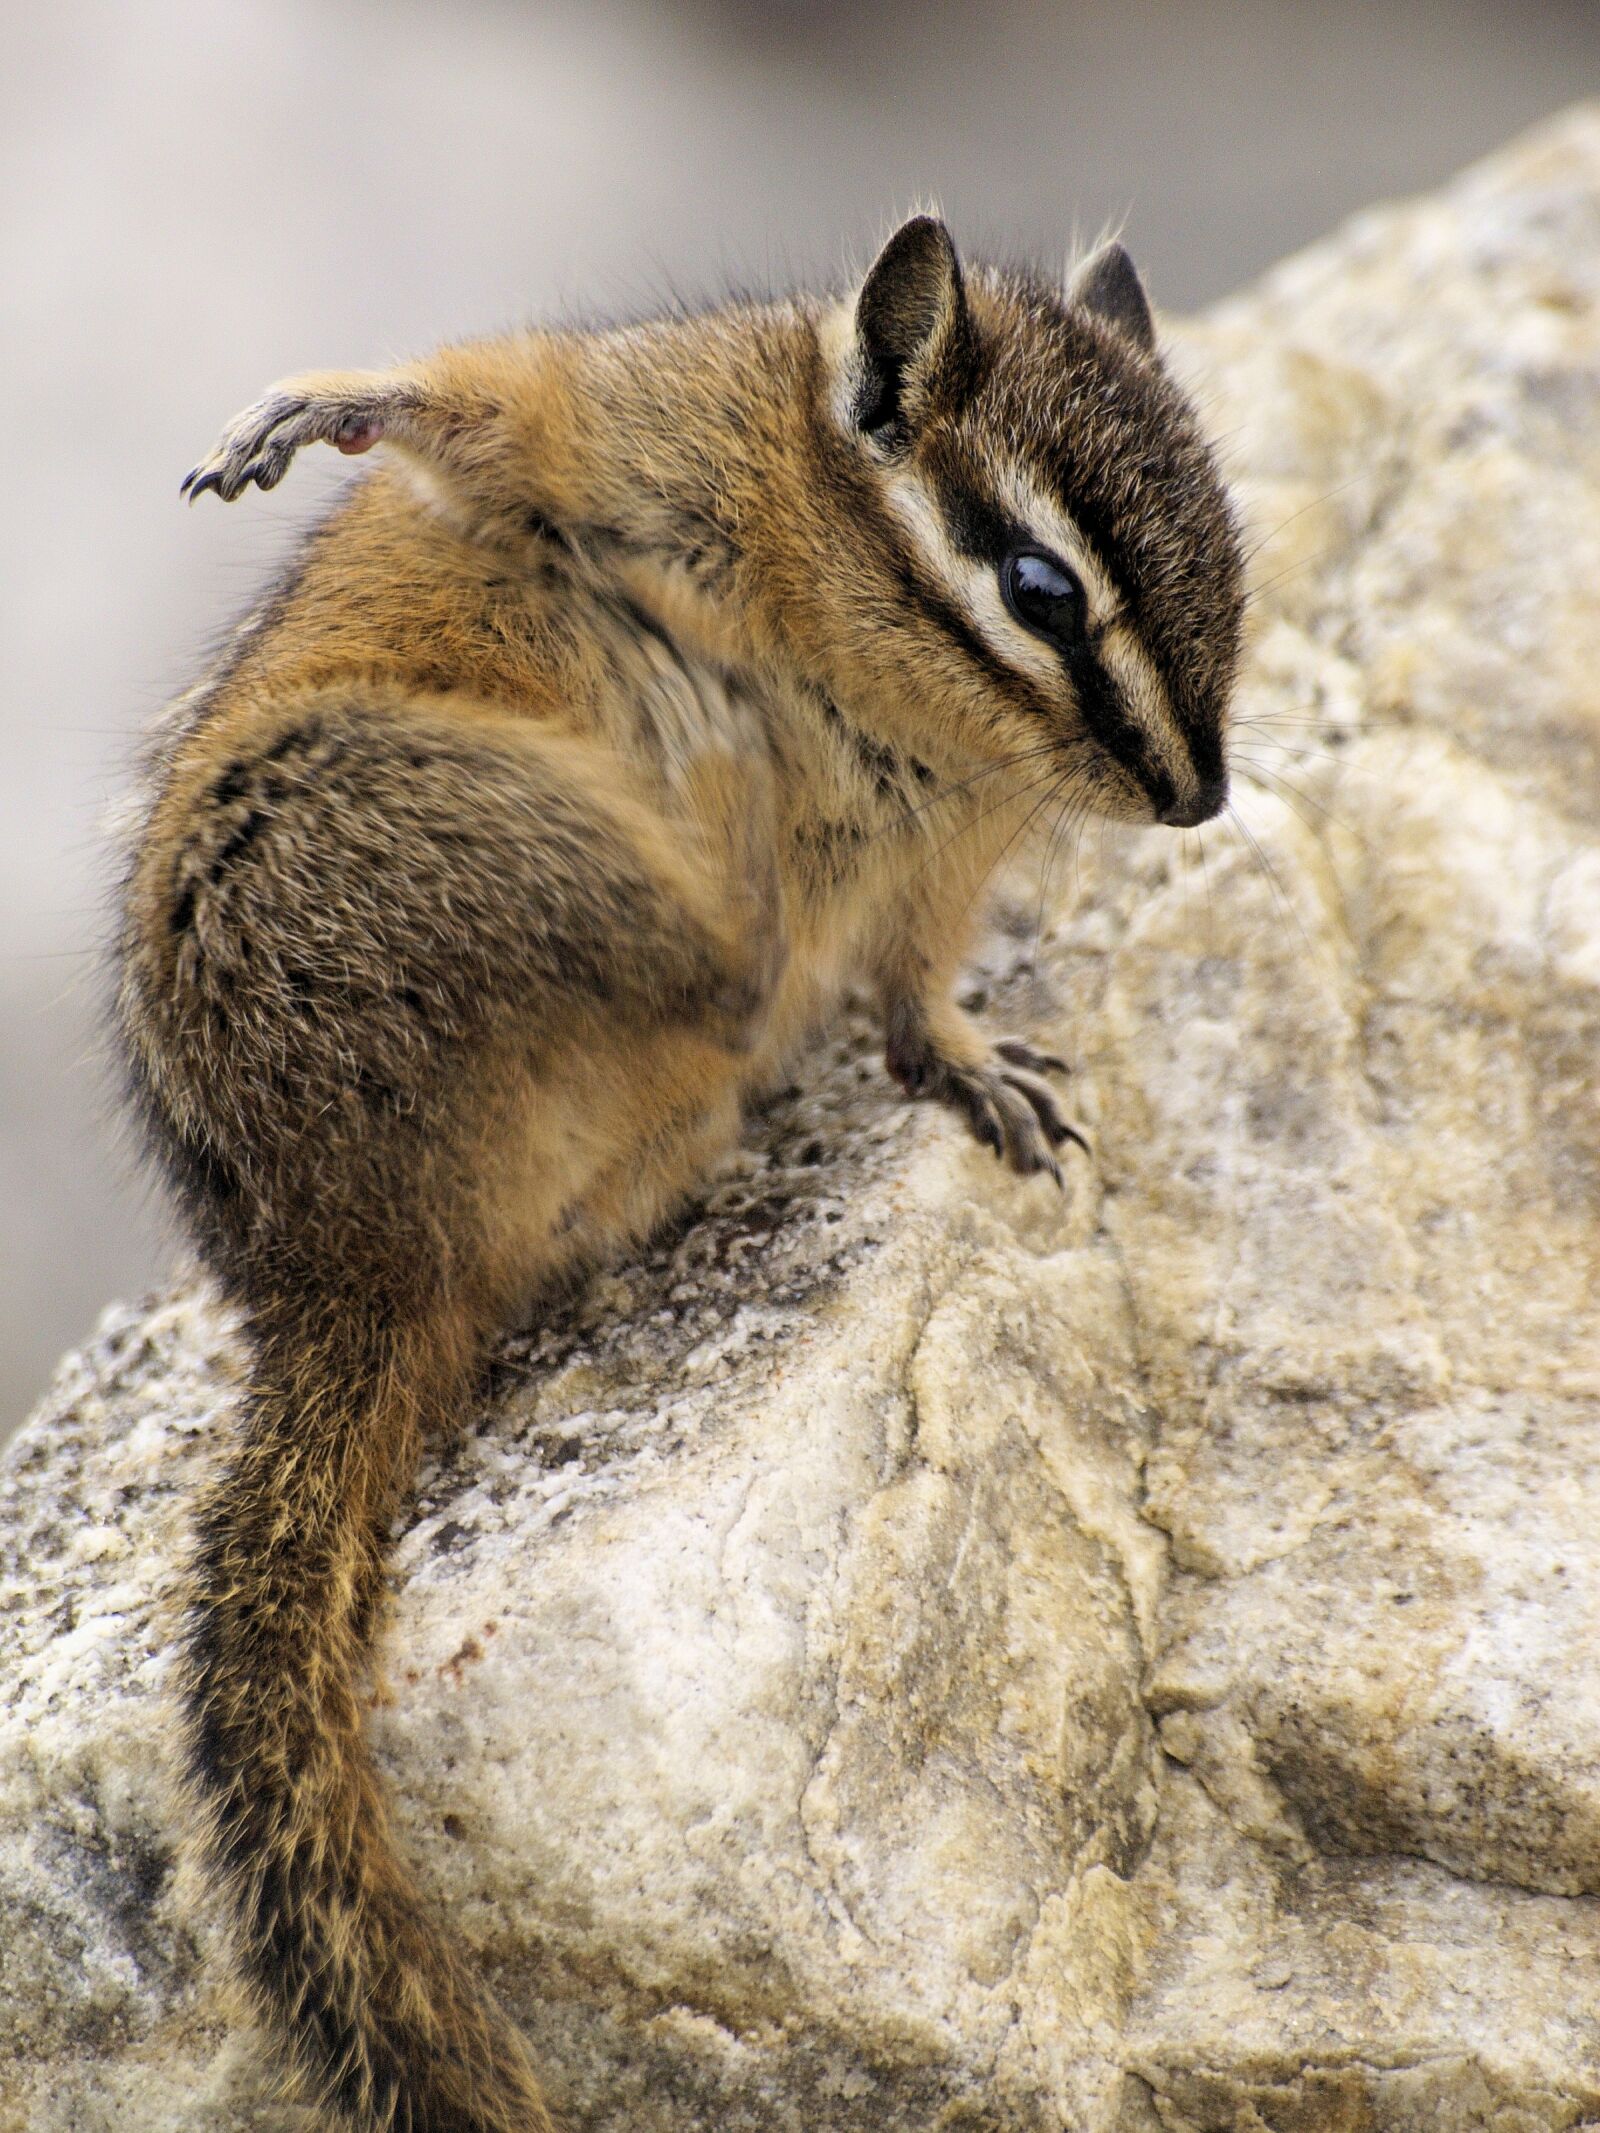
916, 1651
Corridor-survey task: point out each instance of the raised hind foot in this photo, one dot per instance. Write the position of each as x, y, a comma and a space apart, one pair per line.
349, 410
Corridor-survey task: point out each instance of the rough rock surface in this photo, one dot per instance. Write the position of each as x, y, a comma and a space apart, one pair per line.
915, 1651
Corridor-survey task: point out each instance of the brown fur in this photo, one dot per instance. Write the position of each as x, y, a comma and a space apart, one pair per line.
593, 744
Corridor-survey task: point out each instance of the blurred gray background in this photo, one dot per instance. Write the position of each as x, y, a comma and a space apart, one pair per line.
199, 195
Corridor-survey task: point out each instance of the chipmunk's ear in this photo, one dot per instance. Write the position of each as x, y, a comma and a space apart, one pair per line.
913, 338
1107, 283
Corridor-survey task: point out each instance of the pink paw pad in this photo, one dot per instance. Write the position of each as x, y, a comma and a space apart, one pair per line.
359, 434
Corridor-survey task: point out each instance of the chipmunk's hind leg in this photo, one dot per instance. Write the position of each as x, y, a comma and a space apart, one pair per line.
368, 946
351, 410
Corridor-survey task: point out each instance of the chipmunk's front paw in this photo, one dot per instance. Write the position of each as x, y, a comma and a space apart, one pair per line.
258, 445
1006, 1101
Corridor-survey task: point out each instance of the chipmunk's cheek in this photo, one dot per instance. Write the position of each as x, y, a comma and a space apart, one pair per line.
360, 437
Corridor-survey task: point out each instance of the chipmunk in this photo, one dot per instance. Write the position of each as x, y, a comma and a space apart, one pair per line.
653, 685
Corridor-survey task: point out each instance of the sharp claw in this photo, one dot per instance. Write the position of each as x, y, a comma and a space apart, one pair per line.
1016, 1053
1042, 1104
1029, 1156
201, 482
1018, 1140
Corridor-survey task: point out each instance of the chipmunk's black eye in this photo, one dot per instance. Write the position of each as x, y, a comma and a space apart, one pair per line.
1045, 595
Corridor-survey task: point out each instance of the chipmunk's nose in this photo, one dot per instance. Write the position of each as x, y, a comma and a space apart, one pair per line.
1210, 799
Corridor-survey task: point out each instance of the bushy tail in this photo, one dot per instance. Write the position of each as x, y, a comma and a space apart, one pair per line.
378, 2014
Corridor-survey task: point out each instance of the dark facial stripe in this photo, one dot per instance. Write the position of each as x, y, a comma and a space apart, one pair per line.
1105, 714
1100, 702
1122, 451
979, 530
977, 527
950, 619
1164, 622
1003, 680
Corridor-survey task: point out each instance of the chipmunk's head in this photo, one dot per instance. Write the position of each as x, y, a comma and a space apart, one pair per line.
1060, 565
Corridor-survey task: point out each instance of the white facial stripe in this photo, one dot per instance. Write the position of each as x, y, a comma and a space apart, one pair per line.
1045, 520
976, 586
1121, 649
916, 511
1140, 686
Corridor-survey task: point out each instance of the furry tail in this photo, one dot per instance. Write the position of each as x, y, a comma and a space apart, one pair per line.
378, 2014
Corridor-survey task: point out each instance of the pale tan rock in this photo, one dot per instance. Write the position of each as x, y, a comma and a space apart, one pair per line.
915, 1651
